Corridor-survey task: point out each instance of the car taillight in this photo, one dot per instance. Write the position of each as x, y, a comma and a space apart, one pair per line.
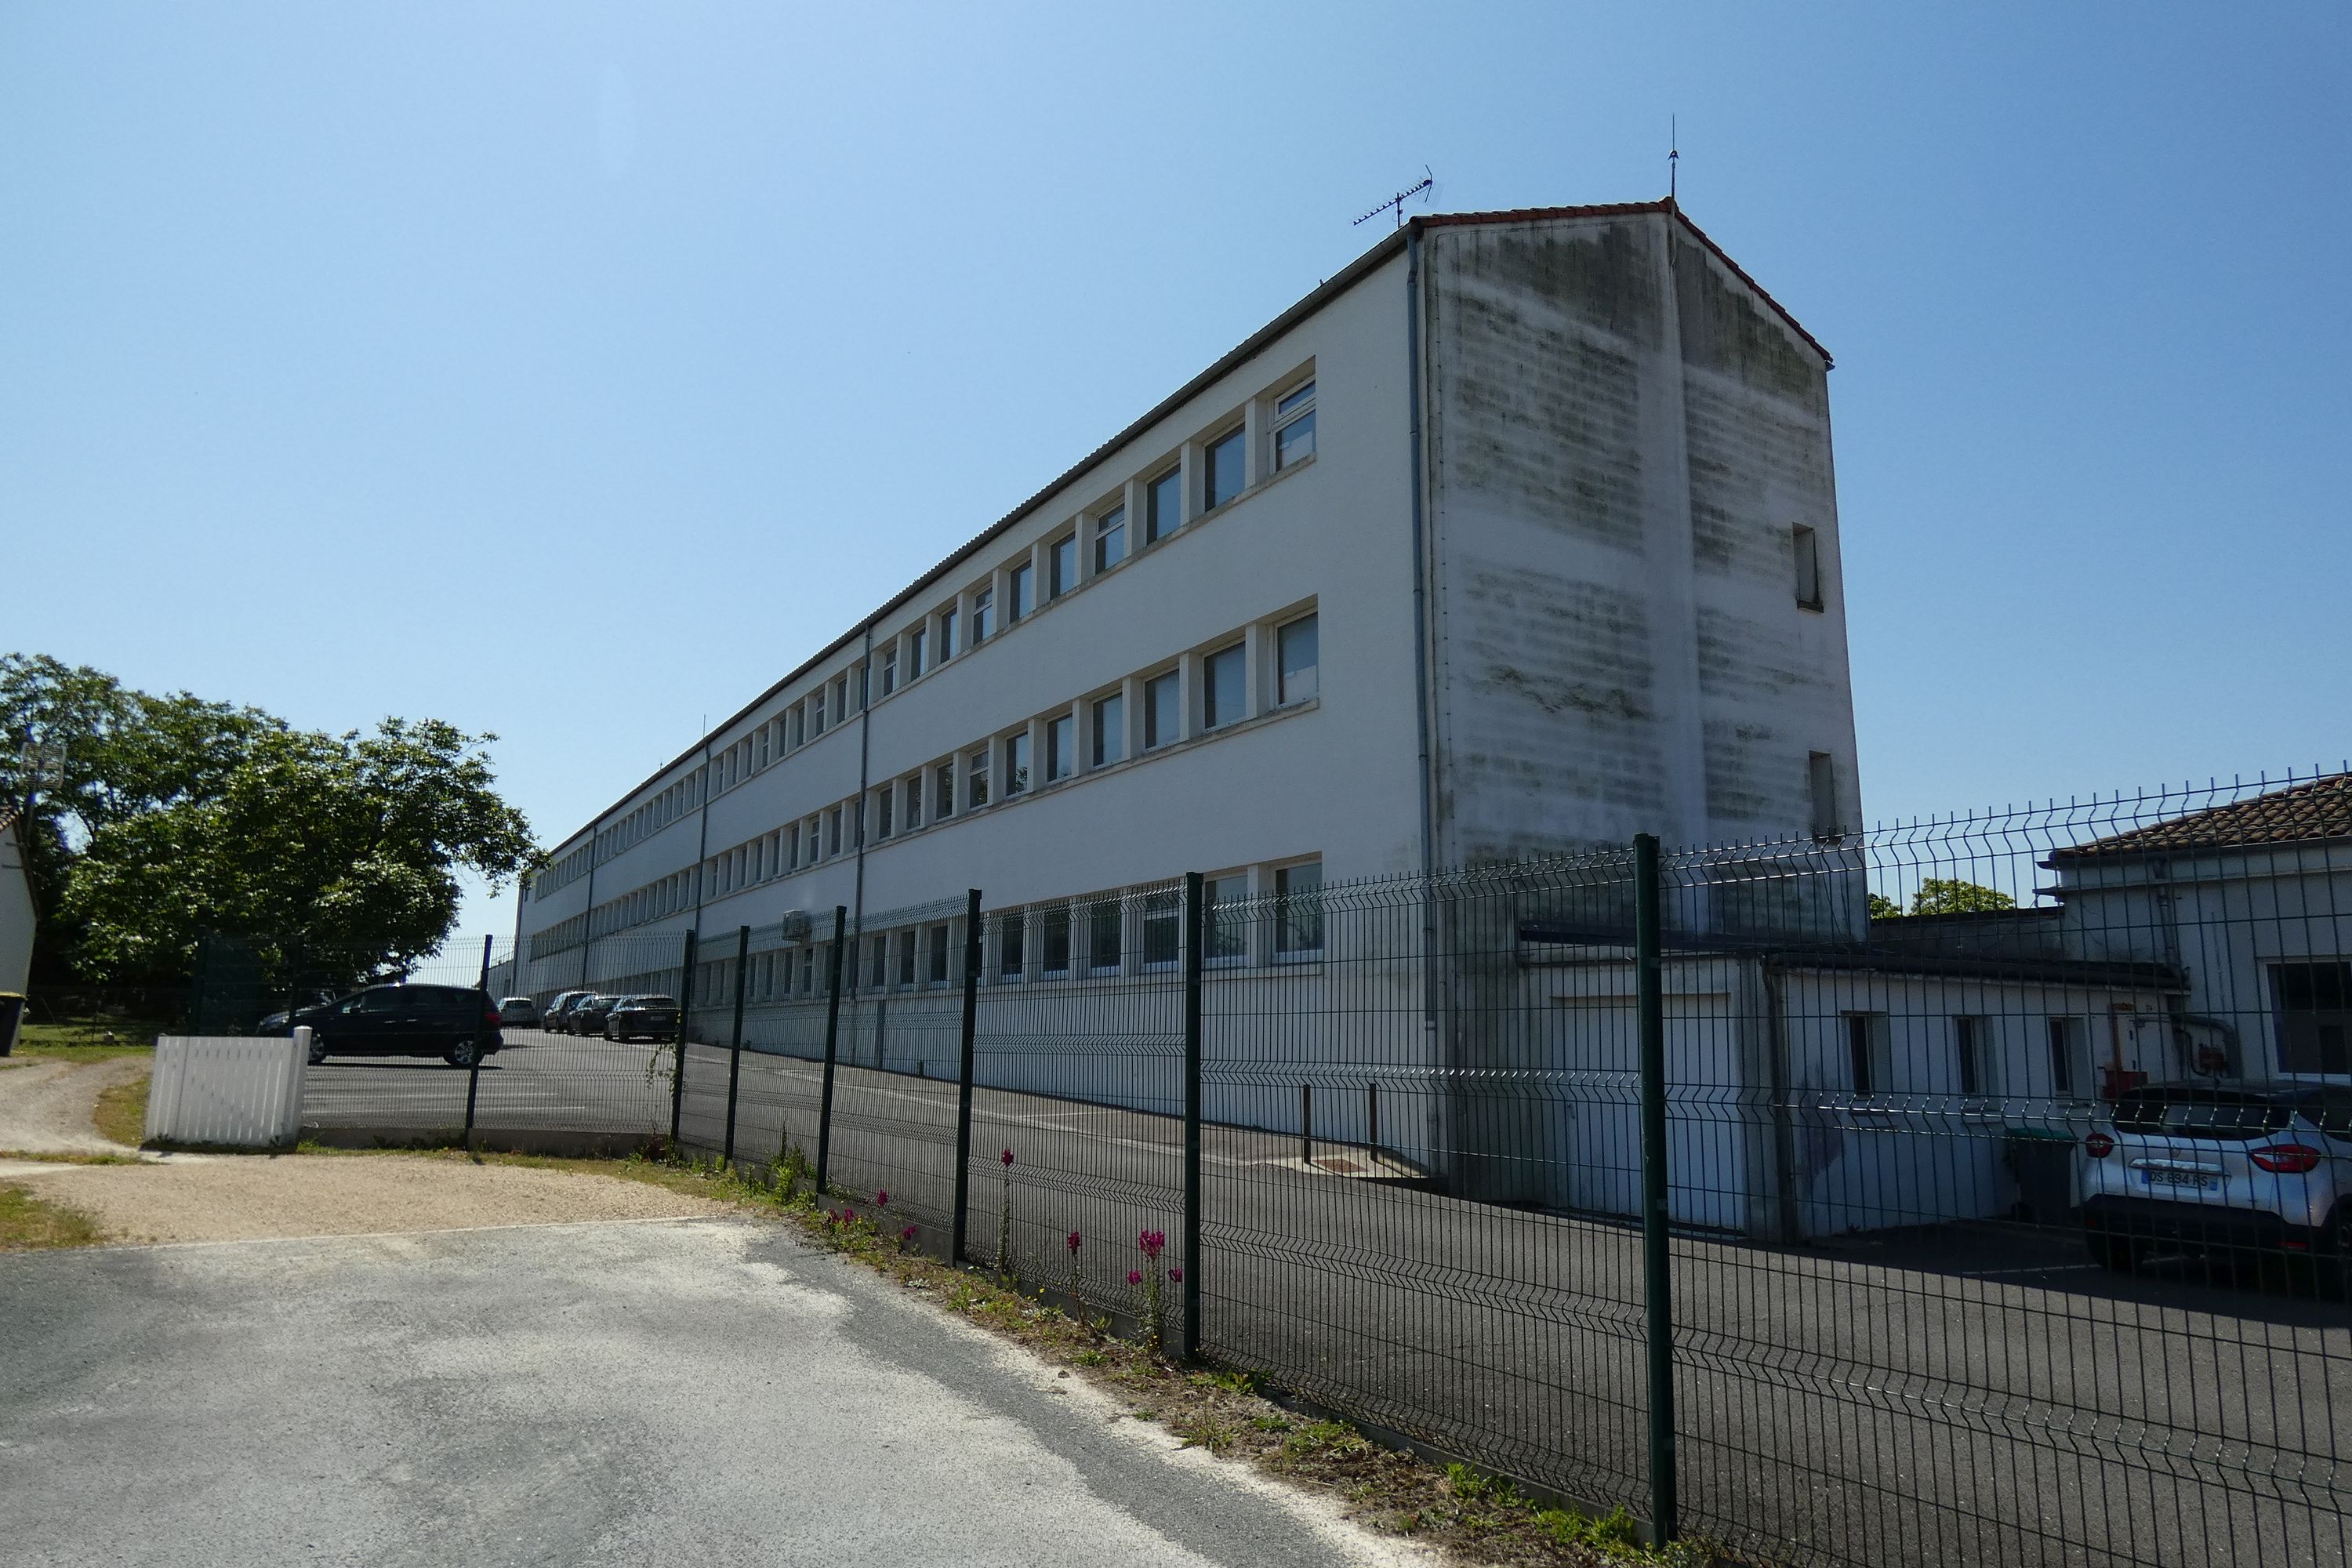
2288, 1159
2099, 1145
491, 1016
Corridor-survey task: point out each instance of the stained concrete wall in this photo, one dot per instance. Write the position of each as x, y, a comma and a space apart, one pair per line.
1622, 435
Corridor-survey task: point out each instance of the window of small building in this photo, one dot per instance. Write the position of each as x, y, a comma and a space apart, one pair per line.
1062, 566
2313, 1004
1020, 591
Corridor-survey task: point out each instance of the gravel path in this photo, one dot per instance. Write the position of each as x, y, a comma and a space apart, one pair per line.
46, 1104
234, 1197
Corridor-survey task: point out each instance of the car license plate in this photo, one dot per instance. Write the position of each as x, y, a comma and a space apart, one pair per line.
2196, 1179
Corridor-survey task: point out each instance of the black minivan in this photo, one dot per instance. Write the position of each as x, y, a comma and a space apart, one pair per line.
458, 1024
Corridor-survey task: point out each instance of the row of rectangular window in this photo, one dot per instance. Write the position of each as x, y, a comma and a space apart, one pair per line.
1084, 938
1001, 770
932, 641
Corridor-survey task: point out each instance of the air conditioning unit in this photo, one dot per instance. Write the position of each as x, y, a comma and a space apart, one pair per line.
795, 925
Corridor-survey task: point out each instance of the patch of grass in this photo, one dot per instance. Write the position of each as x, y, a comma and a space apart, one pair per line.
92, 1042
121, 1113
28, 1223
59, 1157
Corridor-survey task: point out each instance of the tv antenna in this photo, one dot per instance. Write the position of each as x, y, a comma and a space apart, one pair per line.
1674, 154
1398, 200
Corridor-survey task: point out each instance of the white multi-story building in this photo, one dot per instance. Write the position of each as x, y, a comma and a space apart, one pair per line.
1518, 535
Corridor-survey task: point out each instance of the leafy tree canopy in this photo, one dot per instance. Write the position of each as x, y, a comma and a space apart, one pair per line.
156, 820
1943, 895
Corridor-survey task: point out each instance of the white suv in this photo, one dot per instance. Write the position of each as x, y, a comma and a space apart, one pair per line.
2222, 1169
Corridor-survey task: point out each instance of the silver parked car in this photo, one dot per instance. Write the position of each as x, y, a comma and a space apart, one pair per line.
518, 1013
2256, 1171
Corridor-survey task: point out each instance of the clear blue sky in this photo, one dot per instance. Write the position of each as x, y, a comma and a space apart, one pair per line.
572, 371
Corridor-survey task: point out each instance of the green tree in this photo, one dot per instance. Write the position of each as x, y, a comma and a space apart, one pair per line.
352, 843
79, 751
1951, 896
1883, 907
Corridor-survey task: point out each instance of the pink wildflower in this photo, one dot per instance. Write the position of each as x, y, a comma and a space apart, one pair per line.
1134, 1276
1006, 1156
1074, 1242
1152, 1241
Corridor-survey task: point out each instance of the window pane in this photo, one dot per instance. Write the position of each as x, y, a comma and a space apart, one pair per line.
1016, 592
1016, 763
1298, 909
1299, 398
977, 772
947, 636
983, 616
1223, 697
2314, 1016
945, 795
1295, 440
882, 813
1055, 958
1064, 565
1102, 938
889, 670
1061, 759
1809, 568
1110, 539
1297, 680
905, 958
1008, 947
1227, 470
938, 964
878, 970
1162, 721
1223, 918
1165, 505
1110, 731
916, 640
1163, 919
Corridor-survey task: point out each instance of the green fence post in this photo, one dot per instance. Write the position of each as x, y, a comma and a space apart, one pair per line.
832, 1047
735, 1041
685, 1009
1195, 926
1657, 1260
963, 1088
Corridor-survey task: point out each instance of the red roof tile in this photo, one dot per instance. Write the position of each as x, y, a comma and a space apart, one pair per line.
2318, 809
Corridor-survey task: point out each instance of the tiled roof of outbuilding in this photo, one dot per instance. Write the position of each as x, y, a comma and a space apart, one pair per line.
2318, 809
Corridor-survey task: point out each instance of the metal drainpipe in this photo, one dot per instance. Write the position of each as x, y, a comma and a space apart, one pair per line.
701, 853
858, 826
1784, 1129
588, 913
1431, 976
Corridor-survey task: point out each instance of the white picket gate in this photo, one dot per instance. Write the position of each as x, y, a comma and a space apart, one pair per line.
239, 1091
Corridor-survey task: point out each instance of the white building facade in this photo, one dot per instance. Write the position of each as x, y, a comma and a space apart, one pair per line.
1517, 536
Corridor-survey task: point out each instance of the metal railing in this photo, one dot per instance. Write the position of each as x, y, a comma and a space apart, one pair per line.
1776, 1192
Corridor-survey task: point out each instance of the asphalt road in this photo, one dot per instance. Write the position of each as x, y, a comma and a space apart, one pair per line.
1961, 1395
703, 1391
